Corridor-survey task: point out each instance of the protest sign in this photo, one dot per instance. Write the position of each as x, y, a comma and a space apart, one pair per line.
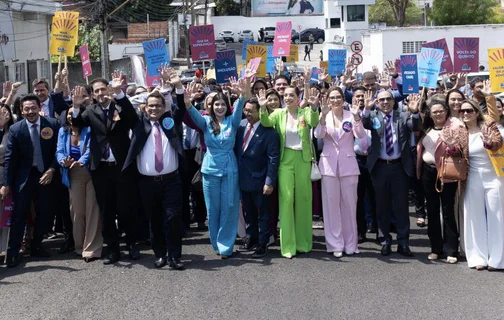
257, 51
409, 72
156, 54
202, 42
496, 68
64, 35
7, 210
294, 53
244, 48
337, 59
282, 40
225, 66
466, 56
86, 63
270, 60
446, 64
429, 64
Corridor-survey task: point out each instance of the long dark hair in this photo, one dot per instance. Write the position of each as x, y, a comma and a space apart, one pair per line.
214, 123
11, 118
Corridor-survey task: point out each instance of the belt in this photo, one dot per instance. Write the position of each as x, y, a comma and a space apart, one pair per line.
389, 161
163, 177
109, 163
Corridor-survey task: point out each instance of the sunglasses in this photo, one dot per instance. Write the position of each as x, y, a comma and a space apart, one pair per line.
469, 111
388, 99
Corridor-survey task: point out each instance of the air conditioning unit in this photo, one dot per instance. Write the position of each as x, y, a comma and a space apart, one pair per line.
338, 38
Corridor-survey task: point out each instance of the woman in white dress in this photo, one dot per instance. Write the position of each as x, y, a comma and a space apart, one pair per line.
484, 193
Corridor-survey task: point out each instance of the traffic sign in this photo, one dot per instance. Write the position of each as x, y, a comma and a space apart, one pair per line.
356, 59
356, 46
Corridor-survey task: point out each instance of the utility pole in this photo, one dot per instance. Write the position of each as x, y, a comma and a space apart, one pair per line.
186, 31
103, 39
206, 10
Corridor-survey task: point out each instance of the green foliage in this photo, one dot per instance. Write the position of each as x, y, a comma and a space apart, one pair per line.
89, 35
227, 8
382, 12
455, 12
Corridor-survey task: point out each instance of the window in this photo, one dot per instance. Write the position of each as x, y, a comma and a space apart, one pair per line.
20, 72
44, 69
356, 13
412, 46
335, 23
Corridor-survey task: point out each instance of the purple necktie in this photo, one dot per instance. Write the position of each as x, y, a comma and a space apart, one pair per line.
158, 148
388, 135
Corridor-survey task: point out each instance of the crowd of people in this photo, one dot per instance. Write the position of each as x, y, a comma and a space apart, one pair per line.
250, 158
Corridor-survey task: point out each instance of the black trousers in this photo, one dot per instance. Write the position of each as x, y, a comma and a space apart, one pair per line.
60, 207
116, 194
191, 194
162, 203
41, 197
307, 54
256, 211
390, 183
416, 186
446, 241
365, 185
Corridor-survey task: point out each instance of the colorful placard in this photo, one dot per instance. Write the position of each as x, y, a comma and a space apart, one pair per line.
257, 51
7, 211
409, 73
466, 56
225, 66
496, 68
202, 41
86, 63
71, 15
294, 53
446, 64
244, 47
429, 64
336, 63
325, 65
282, 40
64, 35
270, 60
156, 54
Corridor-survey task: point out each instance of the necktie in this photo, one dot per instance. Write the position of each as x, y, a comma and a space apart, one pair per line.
187, 140
244, 143
37, 153
158, 148
106, 153
388, 135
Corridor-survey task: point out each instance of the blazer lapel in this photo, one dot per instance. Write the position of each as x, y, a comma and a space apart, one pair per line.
255, 137
283, 123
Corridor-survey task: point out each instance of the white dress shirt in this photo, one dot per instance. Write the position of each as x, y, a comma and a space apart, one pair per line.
45, 108
245, 123
146, 158
397, 151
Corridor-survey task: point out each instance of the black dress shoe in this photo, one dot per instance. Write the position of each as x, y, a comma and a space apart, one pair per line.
134, 252
67, 246
371, 228
260, 252
247, 247
12, 261
386, 250
201, 226
39, 253
404, 250
160, 262
176, 264
112, 257
361, 238
90, 259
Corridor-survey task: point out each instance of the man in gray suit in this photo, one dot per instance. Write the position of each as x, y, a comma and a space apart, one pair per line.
390, 163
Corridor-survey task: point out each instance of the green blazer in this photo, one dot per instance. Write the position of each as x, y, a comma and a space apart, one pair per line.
278, 119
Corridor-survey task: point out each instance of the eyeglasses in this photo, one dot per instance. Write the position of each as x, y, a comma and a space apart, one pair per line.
438, 112
388, 99
469, 111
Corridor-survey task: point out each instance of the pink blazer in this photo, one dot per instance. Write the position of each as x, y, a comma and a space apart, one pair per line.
338, 156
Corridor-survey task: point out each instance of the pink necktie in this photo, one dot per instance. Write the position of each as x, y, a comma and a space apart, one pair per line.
158, 148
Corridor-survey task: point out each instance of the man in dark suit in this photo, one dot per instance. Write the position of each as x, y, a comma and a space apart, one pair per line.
156, 152
29, 167
390, 163
257, 152
110, 121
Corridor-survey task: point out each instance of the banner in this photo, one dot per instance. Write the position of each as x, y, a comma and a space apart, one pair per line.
429, 64
446, 64
496, 68
270, 60
294, 53
225, 66
202, 41
64, 34
497, 159
244, 47
86, 63
282, 40
466, 57
156, 54
262, 8
256, 51
337, 61
409, 72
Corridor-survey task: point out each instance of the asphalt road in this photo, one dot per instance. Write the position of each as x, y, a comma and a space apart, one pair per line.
310, 286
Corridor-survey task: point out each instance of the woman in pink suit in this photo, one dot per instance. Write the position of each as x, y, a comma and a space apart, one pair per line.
340, 171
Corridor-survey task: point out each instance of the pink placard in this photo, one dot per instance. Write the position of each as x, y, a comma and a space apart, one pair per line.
152, 81
466, 56
253, 64
87, 71
446, 64
7, 210
202, 42
282, 41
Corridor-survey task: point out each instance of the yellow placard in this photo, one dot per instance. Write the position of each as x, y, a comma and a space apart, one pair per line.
496, 66
325, 65
497, 158
257, 51
294, 53
211, 74
64, 34
71, 15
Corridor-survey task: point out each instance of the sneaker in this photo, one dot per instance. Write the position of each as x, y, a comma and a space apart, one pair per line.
260, 252
271, 241
451, 260
433, 256
338, 254
247, 247
318, 224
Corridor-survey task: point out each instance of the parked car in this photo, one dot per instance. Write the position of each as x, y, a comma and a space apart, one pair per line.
187, 75
199, 64
245, 35
220, 44
227, 35
269, 34
303, 36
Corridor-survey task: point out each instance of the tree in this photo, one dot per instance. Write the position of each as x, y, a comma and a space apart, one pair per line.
227, 8
452, 12
382, 12
399, 10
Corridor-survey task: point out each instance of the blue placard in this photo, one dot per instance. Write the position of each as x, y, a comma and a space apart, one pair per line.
270, 61
225, 66
244, 48
429, 64
314, 75
336, 62
156, 54
409, 72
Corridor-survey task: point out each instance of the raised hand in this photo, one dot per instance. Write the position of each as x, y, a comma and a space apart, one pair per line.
261, 98
314, 98
192, 89
249, 73
487, 88
390, 66
322, 76
244, 87
7, 88
188, 95
461, 80
355, 111
279, 65
307, 73
487, 135
79, 97
117, 82
384, 81
414, 103
369, 102
375, 70
234, 87
324, 106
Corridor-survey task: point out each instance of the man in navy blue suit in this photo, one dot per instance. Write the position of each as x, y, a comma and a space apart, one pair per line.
257, 151
29, 167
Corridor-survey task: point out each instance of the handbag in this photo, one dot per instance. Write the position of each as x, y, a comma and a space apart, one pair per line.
453, 167
315, 172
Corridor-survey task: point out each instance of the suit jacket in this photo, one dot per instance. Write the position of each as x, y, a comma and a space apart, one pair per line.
338, 156
258, 165
404, 125
57, 104
307, 118
115, 129
143, 128
19, 153
63, 151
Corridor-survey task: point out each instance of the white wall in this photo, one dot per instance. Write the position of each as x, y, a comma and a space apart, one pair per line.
120, 50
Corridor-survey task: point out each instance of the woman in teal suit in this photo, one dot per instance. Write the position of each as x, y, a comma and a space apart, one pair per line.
219, 167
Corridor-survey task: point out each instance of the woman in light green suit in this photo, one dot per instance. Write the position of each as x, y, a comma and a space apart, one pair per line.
294, 184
